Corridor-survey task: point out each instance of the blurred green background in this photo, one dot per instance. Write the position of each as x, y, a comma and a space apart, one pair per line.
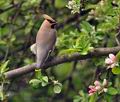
95, 25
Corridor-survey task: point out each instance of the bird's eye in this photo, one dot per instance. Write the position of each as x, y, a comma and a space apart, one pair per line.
53, 26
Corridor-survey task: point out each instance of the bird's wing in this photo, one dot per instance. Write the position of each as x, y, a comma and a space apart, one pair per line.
52, 41
43, 51
41, 56
33, 48
51, 46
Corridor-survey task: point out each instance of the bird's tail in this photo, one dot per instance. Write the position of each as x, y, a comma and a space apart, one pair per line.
41, 56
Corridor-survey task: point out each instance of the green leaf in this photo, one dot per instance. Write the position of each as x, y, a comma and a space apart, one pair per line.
118, 56
38, 74
57, 88
93, 98
108, 98
35, 83
4, 4
83, 45
28, 61
4, 17
30, 3
116, 70
83, 52
3, 42
86, 27
77, 99
1, 96
44, 81
109, 83
112, 91
3, 67
60, 3
13, 38
4, 30
68, 51
29, 26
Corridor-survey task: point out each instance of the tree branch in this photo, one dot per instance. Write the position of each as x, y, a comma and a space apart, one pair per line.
72, 18
97, 52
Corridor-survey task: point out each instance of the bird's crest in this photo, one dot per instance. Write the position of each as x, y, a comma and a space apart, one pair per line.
48, 18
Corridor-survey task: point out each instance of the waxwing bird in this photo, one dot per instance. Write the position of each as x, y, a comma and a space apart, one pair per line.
45, 40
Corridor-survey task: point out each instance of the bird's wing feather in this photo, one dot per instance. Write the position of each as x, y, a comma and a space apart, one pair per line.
41, 56
43, 51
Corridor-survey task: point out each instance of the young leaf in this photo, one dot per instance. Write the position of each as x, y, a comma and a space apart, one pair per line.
118, 56
38, 74
35, 83
86, 27
44, 81
93, 98
3, 67
68, 51
116, 70
60, 3
112, 91
57, 88
77, 98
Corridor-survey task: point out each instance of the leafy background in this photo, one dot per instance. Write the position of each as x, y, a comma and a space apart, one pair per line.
96, 25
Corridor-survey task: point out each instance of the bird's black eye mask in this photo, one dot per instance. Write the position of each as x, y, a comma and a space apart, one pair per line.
51, 21
53, 25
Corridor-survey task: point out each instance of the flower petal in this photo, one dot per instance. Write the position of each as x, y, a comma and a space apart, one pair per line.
105, 82
108, 61
91, 86
105, 89
113, 65
97, 83
93, 90
112, 57
98, 87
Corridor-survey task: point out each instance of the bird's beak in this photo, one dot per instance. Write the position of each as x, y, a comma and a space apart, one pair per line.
56, 23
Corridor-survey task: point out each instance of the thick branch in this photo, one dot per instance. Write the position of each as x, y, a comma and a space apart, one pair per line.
98, 52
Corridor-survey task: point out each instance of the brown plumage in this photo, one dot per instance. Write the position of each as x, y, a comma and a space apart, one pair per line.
45, 40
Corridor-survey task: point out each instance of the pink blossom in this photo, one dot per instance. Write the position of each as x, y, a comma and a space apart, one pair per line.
92, 90
91, 86
98, 87
111, 61
97, 83
112, 56
108, 61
